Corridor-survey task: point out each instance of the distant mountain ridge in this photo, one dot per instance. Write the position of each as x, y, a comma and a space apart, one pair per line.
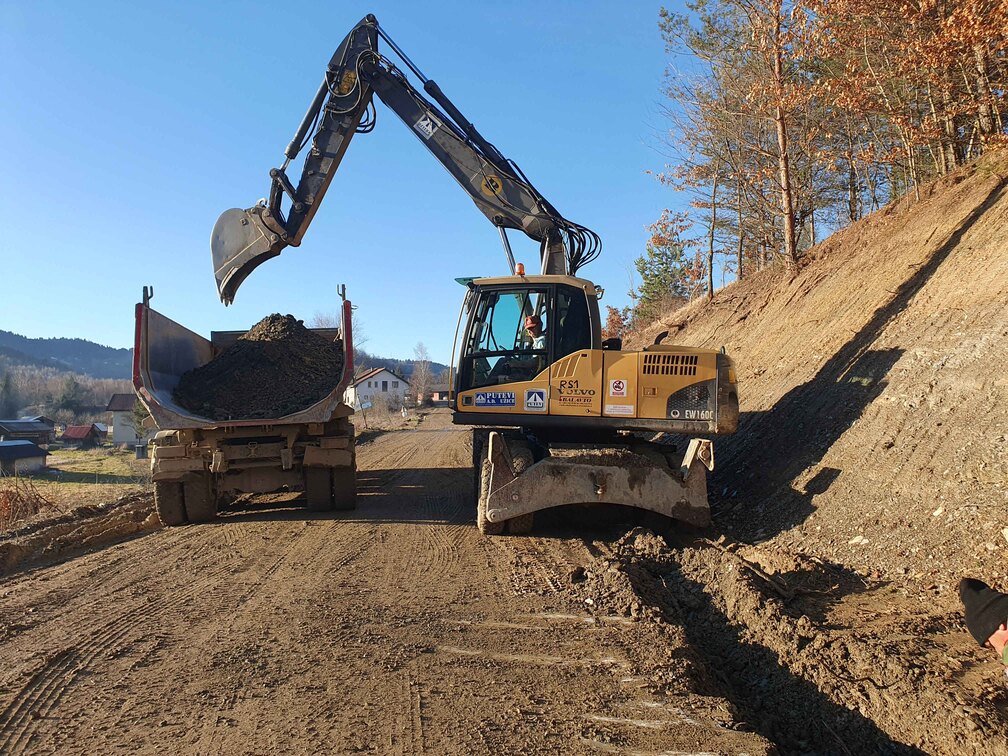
79, 355
10, 356
402, 368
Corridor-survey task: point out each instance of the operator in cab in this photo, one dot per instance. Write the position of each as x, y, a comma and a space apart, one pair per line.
533, 327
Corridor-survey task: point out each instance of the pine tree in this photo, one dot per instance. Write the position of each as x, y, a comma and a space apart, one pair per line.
8, 397
668, 271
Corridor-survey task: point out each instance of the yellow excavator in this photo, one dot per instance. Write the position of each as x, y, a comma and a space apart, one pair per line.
561, 415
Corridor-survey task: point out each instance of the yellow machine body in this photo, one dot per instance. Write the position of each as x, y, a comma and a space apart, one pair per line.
676, 389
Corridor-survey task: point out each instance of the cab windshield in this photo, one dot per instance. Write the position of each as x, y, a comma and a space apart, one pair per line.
507, 338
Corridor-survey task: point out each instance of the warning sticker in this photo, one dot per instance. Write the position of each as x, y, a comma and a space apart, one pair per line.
617, 388
619, 409
535, 400
427, 125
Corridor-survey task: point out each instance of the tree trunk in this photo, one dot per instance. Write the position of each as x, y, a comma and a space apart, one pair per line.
983, 93
738, 209
852, 186
940, 158
951, 135
784, 168
710, 240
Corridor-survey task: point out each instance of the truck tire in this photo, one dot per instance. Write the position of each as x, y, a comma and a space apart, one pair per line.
522, 457
485, 526
318, 489
169, 503
200, 502
344, 487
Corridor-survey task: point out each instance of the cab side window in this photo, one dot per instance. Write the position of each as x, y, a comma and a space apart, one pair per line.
573, 322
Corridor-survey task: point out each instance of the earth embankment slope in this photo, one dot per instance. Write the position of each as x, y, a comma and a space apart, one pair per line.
874, 390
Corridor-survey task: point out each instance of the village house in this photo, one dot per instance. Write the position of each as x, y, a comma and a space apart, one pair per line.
81, 436
20, 457
36, 431
377, 385
41, 419
121, 407
439, 393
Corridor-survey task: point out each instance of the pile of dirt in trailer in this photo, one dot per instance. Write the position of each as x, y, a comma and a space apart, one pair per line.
873, 389
279, 367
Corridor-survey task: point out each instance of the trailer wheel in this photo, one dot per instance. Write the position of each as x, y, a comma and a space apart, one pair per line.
169, 503
485, 526
522, 458
344, 486
200, 502
318, 489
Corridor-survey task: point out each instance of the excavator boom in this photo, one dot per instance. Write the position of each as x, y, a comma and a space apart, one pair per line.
242, 239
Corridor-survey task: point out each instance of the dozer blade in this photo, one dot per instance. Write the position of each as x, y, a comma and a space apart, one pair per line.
240, 242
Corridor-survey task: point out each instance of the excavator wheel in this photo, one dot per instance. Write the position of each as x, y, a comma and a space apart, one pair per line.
522, 457
200, 502
169, 503
485, 526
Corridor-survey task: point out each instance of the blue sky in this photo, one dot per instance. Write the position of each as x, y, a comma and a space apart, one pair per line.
129, 127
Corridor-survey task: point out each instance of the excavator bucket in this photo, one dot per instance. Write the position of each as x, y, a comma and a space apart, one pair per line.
240, 242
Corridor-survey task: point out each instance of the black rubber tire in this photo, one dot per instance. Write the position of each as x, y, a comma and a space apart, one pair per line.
344, 488
200, 502
169, 503
318, 489
522, 457
485, 526
477, 468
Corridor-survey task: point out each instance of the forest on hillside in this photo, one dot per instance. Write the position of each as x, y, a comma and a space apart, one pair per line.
77, 355
65, 397
786, 120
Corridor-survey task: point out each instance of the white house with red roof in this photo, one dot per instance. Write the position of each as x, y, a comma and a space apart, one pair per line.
377, 386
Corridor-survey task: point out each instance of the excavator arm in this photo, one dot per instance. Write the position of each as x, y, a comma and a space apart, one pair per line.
342, 107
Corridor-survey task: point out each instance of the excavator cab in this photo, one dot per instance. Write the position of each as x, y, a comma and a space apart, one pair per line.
498, 348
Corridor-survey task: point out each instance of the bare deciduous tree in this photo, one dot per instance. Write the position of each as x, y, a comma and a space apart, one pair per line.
422, 377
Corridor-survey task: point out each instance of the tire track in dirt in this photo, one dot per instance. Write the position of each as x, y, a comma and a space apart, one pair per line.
208, 594
385, 629
430, 501
109, 572
47, 687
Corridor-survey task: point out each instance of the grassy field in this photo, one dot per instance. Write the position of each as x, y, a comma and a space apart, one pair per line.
93, 476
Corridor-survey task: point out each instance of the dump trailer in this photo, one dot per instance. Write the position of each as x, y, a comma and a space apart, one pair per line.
199, 464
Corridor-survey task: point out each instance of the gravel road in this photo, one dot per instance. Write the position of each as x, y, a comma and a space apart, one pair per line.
398, 628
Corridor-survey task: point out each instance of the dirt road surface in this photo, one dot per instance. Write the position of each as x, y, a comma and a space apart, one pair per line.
398, 628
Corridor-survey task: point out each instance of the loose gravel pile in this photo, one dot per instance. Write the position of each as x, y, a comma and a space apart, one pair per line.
277, 368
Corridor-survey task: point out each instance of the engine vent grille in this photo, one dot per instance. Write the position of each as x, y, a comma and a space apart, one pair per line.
567, 367
670, 364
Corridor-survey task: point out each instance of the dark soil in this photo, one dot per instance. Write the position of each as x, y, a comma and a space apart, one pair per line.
279, 367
